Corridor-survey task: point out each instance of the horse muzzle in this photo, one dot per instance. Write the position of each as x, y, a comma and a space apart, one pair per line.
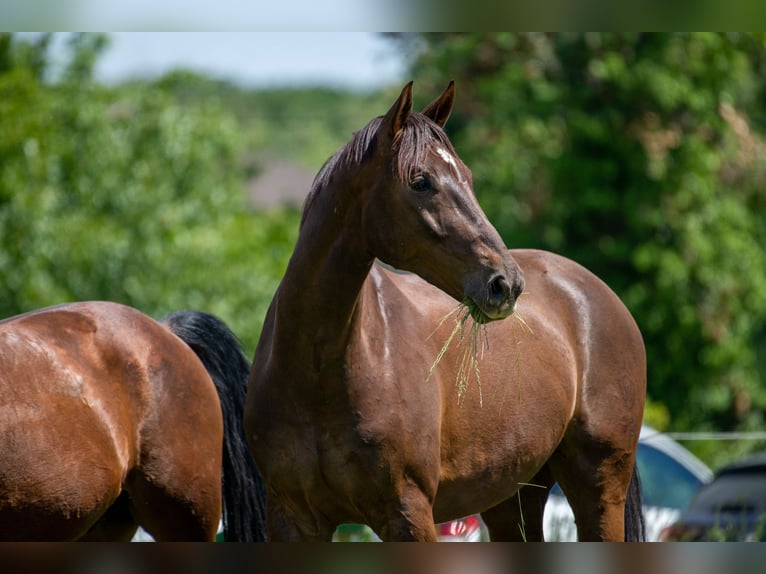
497, 297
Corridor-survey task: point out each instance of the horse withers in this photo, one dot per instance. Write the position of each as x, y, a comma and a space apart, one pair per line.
471, 384
110, 420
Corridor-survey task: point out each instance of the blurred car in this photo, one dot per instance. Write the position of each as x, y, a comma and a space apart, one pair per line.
730, 508
670, 476
468, 529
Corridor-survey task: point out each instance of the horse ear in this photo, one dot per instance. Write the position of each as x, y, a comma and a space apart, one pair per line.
439, 110
397, 115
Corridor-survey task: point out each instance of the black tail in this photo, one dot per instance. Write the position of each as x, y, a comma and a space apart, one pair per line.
244, 493
635, 526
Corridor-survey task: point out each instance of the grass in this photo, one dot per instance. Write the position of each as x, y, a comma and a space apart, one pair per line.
470, 345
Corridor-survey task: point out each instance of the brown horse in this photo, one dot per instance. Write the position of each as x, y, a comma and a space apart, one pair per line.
351, 417
110, 420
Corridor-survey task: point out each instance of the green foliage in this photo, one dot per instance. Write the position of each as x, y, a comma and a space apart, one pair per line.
304, 125
127, 195
136, 193
640, 156
309, 124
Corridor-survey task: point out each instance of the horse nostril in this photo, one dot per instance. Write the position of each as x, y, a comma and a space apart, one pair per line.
499, 290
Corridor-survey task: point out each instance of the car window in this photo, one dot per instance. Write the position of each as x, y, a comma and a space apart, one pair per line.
664, 482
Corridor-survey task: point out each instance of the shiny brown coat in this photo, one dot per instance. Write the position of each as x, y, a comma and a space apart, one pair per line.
108, 421
342, 416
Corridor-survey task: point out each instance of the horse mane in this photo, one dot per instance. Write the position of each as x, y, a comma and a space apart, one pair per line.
409, 146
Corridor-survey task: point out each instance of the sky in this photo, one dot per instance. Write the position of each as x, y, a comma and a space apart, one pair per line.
352, 60
221, 15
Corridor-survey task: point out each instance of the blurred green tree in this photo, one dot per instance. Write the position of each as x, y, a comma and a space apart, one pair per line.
641, 156
125, 194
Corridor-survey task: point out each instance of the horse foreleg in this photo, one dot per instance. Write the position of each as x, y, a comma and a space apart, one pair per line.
287, 522
520, 518
411, 519
596, 489
601, 522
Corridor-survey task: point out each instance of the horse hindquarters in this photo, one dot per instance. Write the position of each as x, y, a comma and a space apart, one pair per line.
244, 493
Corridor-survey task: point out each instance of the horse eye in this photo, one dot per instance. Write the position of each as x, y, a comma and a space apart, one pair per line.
420, 183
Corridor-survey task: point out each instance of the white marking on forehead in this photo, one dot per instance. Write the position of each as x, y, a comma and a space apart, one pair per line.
451, 161
447, 156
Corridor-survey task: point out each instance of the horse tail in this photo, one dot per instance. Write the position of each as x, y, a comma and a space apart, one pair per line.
635, 525
244, 492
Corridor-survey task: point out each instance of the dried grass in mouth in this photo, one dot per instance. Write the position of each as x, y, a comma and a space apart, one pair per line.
470, 344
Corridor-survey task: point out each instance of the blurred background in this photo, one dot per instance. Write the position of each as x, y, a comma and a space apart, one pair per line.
167, 171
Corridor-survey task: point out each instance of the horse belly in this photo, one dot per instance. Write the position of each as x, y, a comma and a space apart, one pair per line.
490, 474
506, 426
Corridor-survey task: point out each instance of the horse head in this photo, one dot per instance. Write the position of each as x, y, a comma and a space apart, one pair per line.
420, 213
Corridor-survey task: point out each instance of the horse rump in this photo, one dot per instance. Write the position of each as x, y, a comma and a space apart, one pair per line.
244, 492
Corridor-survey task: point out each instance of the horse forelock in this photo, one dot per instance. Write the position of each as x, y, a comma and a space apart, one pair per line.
419, 137
412, 143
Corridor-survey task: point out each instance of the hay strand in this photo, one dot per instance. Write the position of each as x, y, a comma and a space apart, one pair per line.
470, 346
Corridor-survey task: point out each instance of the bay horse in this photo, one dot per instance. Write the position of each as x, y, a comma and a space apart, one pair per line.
110, 420
352, 417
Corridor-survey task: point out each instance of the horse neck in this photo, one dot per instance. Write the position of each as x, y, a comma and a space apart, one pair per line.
323, 281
